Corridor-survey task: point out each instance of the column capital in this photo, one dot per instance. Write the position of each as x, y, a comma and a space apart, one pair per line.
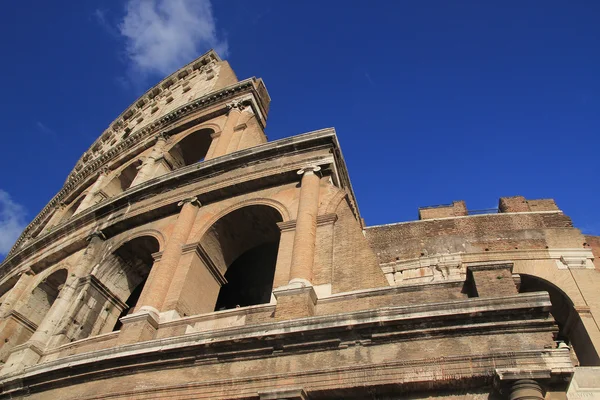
98, 234
163, 136
309, 170
237, 104
103, 171
192, 200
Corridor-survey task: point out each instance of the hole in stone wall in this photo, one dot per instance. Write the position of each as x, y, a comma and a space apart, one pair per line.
249, 278
127, 176
72, 208
191, 149
244, 244
571, 328
131, 303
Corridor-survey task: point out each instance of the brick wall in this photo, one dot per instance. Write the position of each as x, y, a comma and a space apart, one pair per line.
471, 234
355, 265
456, 209
594, 243
521, 204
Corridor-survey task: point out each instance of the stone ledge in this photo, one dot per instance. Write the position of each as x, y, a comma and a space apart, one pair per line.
300, 330
427, 373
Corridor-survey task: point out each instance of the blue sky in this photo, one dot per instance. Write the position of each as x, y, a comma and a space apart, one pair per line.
433, 101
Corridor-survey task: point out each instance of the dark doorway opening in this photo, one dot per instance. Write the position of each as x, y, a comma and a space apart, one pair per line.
249, 278
571, 328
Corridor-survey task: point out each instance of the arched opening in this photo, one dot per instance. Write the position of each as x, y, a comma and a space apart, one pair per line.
127, 175
191, 149
571, 329
133, 261
70, 211
123, 180
110, 291
44, 295
35, 307
243, 244
130, 304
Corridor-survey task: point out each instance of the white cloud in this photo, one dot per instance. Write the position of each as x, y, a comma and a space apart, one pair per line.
12, 221
163, 35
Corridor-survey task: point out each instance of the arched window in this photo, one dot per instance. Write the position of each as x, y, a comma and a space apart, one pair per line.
135, 262
571, 328
110, 292
34, 308
44, 295
123, 180
191, 149
70, 211
244, 244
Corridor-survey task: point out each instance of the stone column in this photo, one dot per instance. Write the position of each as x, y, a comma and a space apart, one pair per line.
303, 252
30, 352
88, 201
16, 292
213, 145
526, 389
147, 170
235, 110
161, 275
239, 129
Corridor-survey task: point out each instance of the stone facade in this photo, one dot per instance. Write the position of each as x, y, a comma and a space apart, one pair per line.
187, 257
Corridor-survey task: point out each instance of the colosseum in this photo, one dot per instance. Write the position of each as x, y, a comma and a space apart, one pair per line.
187, 257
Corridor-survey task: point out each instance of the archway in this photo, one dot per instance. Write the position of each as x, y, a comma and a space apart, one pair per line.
191, 149
70, 211
110, 291
44, 295
123, 180
33, 311
134, 262
244, 244
571, 329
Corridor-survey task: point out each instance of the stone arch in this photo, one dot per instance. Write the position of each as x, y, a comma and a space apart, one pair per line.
7, 285
176, 138
71, 208
264, 201
571, 327
134, 234
112, 289
190, 146
45, 291
241, 244
122, 178
31, 309
335, 201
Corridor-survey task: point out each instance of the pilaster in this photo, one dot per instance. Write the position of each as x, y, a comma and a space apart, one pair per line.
161, 275
148, 169
303, 253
